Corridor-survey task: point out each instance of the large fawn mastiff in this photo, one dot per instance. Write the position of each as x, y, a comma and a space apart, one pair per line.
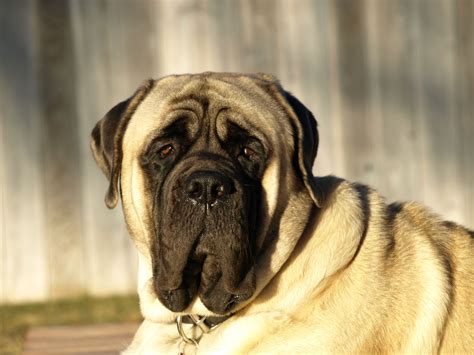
242, 250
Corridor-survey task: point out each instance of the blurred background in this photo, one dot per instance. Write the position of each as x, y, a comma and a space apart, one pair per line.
390, 82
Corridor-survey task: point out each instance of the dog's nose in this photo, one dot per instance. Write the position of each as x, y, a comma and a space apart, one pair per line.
207, 187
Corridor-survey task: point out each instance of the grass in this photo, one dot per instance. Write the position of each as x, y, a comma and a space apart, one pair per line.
15, 320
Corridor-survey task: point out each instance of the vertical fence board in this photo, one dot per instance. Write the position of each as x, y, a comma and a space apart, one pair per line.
440, 125
183, 36
260, 36
23, 260
392, 97
59, 148
464, 27
226, 30
357, 138
91, 61
3, 236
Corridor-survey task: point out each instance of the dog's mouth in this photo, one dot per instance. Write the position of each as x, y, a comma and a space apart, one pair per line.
221, 281
208, 252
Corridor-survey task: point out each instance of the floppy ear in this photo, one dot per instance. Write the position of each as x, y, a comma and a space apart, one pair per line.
107, 137
307, 141
306, 138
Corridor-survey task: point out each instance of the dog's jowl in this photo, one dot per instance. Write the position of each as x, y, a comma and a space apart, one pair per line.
242, 250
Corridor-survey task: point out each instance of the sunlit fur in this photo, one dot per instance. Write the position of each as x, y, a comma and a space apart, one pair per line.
354, 276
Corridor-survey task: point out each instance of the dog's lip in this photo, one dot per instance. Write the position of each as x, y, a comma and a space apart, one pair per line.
224, 305
194, 276
193, 270
202, 279
169, 298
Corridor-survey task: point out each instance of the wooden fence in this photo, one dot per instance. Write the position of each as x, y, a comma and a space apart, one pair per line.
391, 83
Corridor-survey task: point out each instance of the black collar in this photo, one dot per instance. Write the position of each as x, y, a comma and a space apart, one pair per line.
210, 322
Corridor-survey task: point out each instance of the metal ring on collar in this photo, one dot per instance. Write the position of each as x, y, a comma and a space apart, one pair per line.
182, 334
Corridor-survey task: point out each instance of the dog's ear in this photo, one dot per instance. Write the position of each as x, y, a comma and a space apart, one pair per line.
307, 141
306, 137
107, 137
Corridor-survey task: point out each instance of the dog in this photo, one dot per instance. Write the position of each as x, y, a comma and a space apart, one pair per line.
242, 250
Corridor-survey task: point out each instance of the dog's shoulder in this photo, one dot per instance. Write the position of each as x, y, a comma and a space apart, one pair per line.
415, 257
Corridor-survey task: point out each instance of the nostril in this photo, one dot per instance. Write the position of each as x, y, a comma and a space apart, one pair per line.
220, 190
194, 189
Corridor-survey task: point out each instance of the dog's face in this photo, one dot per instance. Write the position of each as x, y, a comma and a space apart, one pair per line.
203, 162
203, 176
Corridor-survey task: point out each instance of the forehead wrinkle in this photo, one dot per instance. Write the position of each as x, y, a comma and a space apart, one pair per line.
239, 119
175, 115
245, 96
192, 110
181, 98
244, 111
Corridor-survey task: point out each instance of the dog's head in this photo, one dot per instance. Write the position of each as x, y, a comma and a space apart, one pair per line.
214, 171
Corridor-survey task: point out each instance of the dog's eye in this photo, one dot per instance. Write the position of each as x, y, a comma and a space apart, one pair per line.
165, 151
247, 152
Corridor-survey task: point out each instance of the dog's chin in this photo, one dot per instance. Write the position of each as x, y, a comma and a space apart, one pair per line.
213, 296
154, 310
219, 281
218, 303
